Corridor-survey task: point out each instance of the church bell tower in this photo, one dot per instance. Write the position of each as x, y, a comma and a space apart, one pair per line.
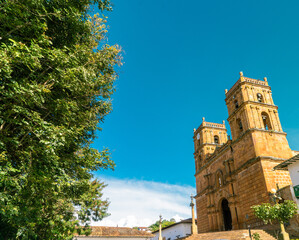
251, 110
207, 138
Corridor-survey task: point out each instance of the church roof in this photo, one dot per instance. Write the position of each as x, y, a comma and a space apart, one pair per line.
284, 165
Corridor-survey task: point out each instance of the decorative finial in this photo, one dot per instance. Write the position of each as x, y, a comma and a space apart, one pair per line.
194, 130
265, 79
203, 119
241, 74
225, 91
223, 122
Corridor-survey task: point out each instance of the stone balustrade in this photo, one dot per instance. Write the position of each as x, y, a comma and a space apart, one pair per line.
246, 79
255, 81
217, 125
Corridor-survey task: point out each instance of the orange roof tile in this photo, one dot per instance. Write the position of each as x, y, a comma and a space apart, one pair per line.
117, 232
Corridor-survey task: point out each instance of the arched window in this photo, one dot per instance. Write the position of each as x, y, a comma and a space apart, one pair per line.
219, 180
266, 121
236, 104
198, 139
239, 124
216, 139
260, 97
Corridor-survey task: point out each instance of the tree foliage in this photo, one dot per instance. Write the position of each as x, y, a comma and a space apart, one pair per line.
165, 223
282, 212
56, 74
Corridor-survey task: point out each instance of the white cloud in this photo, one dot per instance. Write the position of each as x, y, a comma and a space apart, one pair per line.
139, 203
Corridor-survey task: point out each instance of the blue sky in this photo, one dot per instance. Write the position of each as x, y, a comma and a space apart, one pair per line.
179, 56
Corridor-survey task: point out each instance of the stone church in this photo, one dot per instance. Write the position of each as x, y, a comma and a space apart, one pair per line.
234, 174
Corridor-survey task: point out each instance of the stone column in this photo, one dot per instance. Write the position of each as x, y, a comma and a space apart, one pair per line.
277, 120
259, 117
216, 224
253, 94
160, 228
218, 220
225, 163
193, 227
247, 118
235, 223
253, 117
231, 165
244, 119
230, 188
210, 221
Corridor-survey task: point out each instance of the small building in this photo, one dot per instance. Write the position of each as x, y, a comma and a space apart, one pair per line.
143, 229
115, 233
292, 165
175, 231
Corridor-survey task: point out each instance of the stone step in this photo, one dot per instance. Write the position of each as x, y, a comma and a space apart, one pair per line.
230, 235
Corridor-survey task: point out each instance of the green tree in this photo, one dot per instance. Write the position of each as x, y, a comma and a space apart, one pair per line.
165, 223
282, 212
56, 73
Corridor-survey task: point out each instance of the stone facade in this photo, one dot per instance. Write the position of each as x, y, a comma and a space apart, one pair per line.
234, 174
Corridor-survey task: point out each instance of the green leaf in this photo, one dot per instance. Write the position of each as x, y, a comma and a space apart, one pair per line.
57, 77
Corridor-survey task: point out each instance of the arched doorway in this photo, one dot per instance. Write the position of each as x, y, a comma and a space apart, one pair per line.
227, 217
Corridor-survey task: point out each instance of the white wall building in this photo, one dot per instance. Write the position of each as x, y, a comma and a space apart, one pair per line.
175, 231
292, 165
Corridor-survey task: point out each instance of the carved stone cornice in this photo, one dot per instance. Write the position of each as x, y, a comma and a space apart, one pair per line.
256, 129
237, 86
